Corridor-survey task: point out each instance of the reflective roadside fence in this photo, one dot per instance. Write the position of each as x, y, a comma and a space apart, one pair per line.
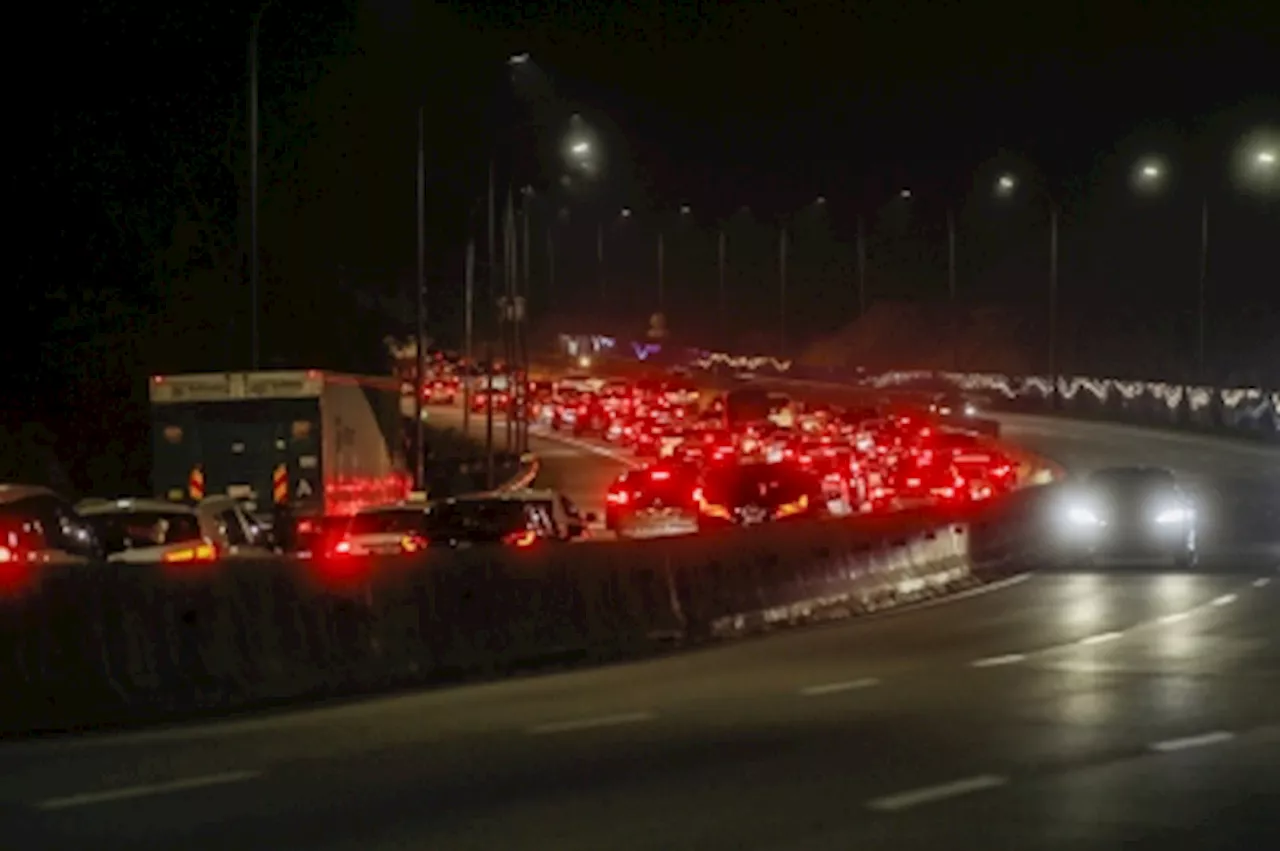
93, 645
1243, 411
1252, 412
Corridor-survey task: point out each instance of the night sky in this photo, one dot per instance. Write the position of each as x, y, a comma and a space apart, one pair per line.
130, 175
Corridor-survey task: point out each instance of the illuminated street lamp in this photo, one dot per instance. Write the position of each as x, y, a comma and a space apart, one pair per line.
580, 148
626, 212
1006, 184
685, 209
519, 59
905, 193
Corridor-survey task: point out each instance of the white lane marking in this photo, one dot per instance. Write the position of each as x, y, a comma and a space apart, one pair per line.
994, 661
1261, 582
1101, 637
1174, 617
590, 723
929, 794
835, 688
124, 793
1224, 599
1200, 741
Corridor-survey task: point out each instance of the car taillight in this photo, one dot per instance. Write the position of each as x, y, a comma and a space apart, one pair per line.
523, 539
792, 508
660, 475
201, 553
341, 548
617, 497
412, 543
805, 460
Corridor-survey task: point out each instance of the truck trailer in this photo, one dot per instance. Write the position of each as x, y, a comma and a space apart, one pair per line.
305, 443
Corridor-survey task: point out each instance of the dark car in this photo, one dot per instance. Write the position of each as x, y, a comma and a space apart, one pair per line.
749, 494
517, 518
1139, 513
657, 498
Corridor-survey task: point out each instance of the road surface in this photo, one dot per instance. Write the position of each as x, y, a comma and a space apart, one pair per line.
1056, 711
581, 471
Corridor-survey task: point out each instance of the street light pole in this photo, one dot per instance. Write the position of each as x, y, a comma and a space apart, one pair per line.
951, 289
724, 307
468, 352
253, 190
782, 292
1053, 305
862, 269
420, 315
661, 271
1200, 305
600, 261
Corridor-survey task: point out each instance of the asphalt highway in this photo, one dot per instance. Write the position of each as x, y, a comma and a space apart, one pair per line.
581, 470
1087, 710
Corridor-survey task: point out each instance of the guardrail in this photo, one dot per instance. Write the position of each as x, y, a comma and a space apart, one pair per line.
110, 644
1252, 412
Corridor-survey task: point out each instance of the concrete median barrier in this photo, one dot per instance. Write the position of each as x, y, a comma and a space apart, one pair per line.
105, 644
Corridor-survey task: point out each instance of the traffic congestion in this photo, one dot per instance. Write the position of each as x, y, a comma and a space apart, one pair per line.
702, 460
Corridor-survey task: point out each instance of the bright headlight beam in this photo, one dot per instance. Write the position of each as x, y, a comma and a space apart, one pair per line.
1177, 514
1082, 516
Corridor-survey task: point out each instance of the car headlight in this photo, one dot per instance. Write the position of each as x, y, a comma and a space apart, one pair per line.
1174, 514
970, 411
1079, 515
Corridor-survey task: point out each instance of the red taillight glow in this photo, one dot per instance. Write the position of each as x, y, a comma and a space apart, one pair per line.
522, 539
412, 544
660, 475
342, 548
8, 556
617, 497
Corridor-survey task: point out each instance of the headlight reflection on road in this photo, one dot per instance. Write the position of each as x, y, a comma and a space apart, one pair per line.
1086, 606
1174, 591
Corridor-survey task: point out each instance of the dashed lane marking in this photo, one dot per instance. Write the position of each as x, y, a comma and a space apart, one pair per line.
930, 794
1101, 637
575, 724
836, 688
124, 793
1203, 740
996, 661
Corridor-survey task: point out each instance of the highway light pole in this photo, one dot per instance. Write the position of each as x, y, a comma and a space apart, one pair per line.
724, 307
782, 292
1053, 305
254, 351
420, 314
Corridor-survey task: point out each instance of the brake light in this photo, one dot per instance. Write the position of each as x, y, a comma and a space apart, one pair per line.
806, 460
341, 548
660, 475
413, 543
9, 556
792, 508
913, 483
522, 539
617, 497
201, 553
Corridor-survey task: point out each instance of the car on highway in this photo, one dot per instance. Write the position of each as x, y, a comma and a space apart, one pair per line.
399, 529
38, 526
1131, 513
754, 493
520, 519
156, 531
657, 499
